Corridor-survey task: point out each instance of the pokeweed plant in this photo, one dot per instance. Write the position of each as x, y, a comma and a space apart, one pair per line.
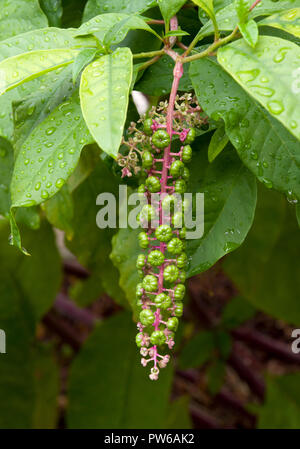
64, 89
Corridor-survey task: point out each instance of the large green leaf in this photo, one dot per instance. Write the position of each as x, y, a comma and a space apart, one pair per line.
288, 21
95, 7
59, 211
53, 10
109, 389
197, 351
92, 245
265, 268
54, 88
37, 277
6, 168
44, 39
263, 144
18, 16
268, 74
57, 142
124, 254
18, 69
170, 7
113, 28
229, 205
104, 88
227, 17
28, 395
281, 409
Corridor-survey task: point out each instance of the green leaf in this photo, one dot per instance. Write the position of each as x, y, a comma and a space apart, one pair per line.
118, 399
242, 9
29, 394
46, 377
229, 205
60, 210
104, 87
6, 168
96, 7
124, 253
112, 28
207, 6
216, 376
227, 17
268, 73
263, 144
169, 8
39, 289
236, 312
249, 32
18, 16
265, 269
84, 58
45, 39
197, 351
217, 144
29, 112
53, 10
58, 147
298, 214
281, 409
18, 69
178, 414
177, 33
288, 21
92, 245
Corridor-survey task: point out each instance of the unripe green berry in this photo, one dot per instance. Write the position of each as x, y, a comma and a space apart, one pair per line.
182, 233
177, 219
156, 258
143, 240
191, 136
141, 260
176, 169
180, 186
147, 213
182, 260
172, 324
182, 276
163, 301
147, 126
163, 233
140, 273
150, 283
179, 292
147, 159
161, 139
186, 174
175, 246
158, 338
139, 290
153, 184
139, 340
187, 153
168, 203
178, 309
171, 273
147, 317
141, 190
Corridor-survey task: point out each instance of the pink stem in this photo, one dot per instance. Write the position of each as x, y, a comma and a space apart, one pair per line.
177, 73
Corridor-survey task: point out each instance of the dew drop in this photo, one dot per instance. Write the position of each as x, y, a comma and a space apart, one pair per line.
59, 183
275, 107
44, 194
37, 186
50, 130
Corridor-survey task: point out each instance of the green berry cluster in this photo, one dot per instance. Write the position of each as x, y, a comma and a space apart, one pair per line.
162, 266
